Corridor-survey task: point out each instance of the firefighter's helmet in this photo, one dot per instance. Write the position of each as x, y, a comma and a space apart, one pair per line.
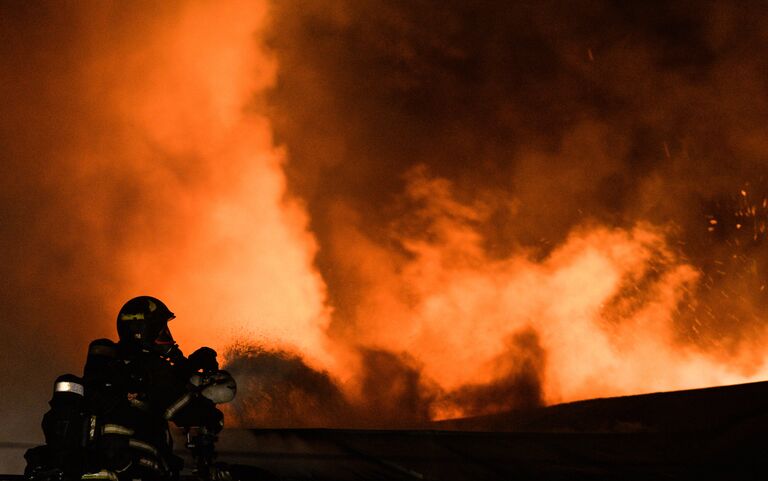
143, 321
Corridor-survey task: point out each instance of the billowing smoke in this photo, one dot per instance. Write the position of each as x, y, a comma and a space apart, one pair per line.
475, 171
416, 209
279, 389
135, 163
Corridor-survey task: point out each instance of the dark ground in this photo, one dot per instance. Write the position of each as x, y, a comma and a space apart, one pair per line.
715, 433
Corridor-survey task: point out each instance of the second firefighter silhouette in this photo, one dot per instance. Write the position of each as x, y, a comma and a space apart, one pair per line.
132, 388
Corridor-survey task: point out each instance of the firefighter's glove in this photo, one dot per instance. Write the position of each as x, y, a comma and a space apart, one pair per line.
204, 359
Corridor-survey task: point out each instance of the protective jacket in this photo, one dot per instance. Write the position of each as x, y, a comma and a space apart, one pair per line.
117, 429
132, 394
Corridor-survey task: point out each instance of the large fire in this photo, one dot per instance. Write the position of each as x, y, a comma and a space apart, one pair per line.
237, 261
603, 306
238, 164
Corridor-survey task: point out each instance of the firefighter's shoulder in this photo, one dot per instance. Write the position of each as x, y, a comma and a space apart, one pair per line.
102, 348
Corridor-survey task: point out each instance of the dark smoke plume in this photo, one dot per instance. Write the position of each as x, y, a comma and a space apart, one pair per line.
393, 391
584, 112
519, 387
277, 388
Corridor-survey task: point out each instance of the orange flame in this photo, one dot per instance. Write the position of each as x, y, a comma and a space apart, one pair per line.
234, 258
231, 255
603, 304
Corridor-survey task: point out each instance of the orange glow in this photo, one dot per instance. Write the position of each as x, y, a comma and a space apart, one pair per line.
453, 308
233, 255
236, 260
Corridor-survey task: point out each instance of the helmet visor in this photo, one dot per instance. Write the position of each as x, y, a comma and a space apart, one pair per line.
164, 337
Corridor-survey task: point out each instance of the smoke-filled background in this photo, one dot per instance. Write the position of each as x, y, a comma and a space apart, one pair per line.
384, 213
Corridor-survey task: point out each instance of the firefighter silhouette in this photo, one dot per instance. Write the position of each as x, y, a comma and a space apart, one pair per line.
113, 423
